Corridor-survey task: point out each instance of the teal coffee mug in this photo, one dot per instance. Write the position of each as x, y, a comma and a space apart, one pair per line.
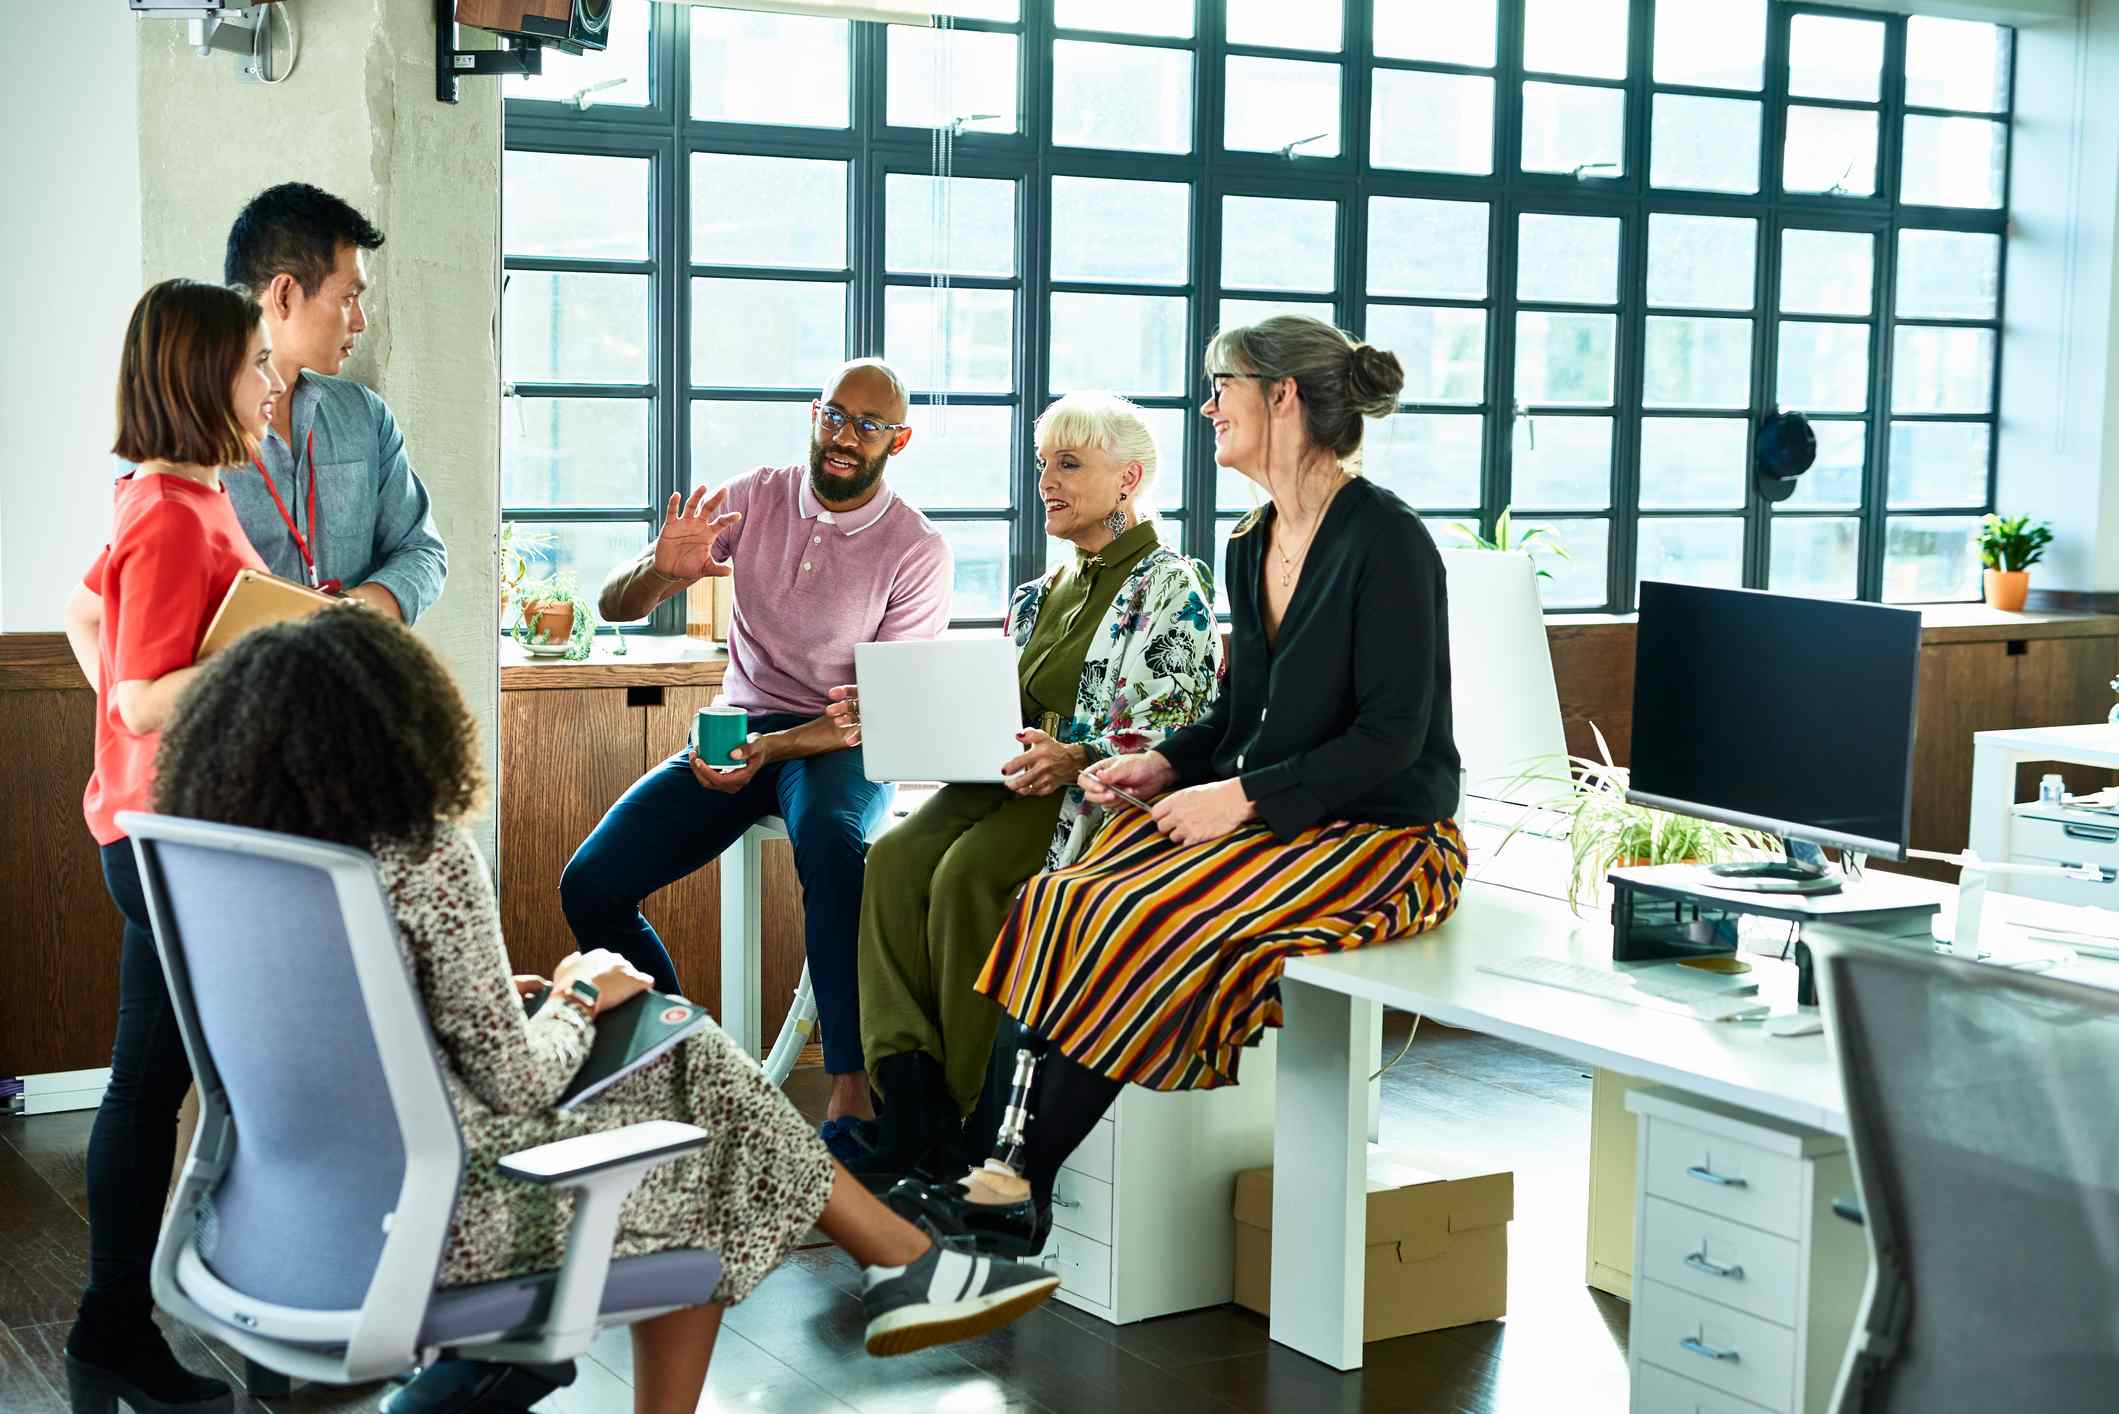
715, 731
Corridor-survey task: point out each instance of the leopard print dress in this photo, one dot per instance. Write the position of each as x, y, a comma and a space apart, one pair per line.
750, 1194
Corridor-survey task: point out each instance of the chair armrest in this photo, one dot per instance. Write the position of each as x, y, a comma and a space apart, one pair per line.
567, 1162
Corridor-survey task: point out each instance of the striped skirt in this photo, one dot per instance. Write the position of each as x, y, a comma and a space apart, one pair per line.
1156, 963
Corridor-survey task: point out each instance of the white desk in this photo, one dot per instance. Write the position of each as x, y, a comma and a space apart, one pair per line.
1995, 757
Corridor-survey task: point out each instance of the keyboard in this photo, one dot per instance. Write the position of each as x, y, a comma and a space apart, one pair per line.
1630, 988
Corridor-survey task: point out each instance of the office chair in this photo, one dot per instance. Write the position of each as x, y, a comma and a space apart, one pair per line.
1983, 1108
314, 1207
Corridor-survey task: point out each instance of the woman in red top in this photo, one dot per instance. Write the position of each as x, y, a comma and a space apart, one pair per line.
195, 392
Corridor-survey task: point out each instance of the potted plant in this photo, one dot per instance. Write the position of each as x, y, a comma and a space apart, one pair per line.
2008, 547
1605, 831
1531, 542
556, 621
520, 547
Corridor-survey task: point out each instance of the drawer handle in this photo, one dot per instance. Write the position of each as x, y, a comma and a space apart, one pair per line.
1051, 1259
1713, 1352
2101, 834
1059, 1202
1699, 1262
1719, 1180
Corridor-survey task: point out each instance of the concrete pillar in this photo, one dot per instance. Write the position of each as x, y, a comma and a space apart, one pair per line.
358, 117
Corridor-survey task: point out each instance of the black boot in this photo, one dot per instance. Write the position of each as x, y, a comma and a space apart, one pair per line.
116, 1353
918, 1120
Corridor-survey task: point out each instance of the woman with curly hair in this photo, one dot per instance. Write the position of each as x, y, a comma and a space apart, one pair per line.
1116, 648
344, 727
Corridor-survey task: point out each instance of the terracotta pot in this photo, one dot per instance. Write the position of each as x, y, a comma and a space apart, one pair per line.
2006, 589
556, 620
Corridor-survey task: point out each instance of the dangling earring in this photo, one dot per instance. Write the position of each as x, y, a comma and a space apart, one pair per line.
1116, 522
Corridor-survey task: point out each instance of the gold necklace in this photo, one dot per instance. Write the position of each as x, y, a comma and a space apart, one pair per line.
1290, 563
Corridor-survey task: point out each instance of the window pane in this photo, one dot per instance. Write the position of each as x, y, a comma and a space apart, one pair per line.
1570, 128
1823, 367
1816, 557
1827, 272
981, 551
1830, 150
1268, 243
1124, 343
1250, 311
1564, 358
1711, 43
1705, 144
1957, 64
730, 438
578, 208
1443, 350
766, 333
1577, 582
1279, 25
768, 211
1086, 210
1930, 558
1168, 426
1942, 370
1561, 464
1127, 96
587, 552
1281, 103
1427, 248
962, 341
1697, 363
1834, 481
1428, 458
1219, 560
939, 76
1948, 274
964, 226
1426, 122
1701, 262
1438, 31
960, 458
1690, 463
573, 452
1954, 162
566, 75
1830, 57
1166, 17
1939, 464
740, 64
1699, 551
1585, 37
1567, 259
574, 328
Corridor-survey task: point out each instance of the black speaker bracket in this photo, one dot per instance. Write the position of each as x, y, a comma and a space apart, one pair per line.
515, 56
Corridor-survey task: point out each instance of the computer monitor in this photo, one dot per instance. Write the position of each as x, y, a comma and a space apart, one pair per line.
1776, 713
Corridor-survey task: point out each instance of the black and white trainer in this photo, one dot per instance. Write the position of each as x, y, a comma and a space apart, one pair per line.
948, 1294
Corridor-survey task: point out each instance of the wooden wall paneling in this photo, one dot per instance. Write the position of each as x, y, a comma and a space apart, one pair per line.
59, 987
1964, 688
1592, 666
2064, 682
688, 913
565, 756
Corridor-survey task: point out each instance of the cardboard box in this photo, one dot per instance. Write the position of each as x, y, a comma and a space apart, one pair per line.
1437, 1244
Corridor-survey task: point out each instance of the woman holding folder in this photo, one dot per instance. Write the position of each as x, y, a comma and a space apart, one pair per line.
195, 392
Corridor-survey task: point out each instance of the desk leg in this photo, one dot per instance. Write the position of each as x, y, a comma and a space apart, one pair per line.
742, 944
1374, 1027
1320, 1222
1993, 799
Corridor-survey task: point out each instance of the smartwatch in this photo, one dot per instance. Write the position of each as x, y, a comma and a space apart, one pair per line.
582, 994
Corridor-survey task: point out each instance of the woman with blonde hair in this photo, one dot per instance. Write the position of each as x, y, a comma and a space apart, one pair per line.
1309, 812
1117, 647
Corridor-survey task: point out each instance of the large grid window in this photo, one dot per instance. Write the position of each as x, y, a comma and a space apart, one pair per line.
1605, 237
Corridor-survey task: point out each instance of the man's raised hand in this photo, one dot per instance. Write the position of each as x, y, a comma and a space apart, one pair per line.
685, 547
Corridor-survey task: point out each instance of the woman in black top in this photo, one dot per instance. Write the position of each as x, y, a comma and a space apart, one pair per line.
1308, 812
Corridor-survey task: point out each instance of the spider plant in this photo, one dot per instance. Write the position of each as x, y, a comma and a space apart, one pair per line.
1529, 542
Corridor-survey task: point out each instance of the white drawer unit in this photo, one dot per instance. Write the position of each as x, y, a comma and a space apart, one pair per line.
2051, 834
1140, 1212
1745, 1280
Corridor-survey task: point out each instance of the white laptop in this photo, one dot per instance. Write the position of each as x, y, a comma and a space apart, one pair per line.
941, 709
1504, 706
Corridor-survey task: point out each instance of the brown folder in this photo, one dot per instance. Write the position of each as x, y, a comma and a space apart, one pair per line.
255, 600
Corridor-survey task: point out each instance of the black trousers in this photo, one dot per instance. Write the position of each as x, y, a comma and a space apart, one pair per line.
133, 1144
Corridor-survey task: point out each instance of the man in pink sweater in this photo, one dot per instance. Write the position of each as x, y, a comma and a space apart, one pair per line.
826, 557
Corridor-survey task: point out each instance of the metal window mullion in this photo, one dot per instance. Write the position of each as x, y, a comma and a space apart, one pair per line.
1497, 472
670, 290
1890, 158
1034, 302
1203, 311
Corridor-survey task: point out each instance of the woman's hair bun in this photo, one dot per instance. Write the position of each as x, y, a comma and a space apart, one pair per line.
1374, 378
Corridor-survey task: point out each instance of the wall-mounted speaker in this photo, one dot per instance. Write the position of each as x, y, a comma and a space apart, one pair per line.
576, 24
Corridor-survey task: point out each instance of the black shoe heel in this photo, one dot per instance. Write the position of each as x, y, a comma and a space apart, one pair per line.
91, 1389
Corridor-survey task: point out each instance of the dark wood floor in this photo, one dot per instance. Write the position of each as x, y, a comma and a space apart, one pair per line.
795, 1345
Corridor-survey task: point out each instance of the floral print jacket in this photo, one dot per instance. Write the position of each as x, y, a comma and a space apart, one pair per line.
1153, 666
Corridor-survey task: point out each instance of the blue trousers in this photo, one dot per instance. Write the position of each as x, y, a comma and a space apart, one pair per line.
668, 825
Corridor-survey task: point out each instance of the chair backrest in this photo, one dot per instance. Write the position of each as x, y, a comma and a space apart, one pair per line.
321, 1098
1983, 1106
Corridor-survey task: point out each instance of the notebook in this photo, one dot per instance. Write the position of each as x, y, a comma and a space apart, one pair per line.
254, 600
628, 1036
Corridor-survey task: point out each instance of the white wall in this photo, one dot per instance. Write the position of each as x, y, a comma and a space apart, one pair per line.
69, 273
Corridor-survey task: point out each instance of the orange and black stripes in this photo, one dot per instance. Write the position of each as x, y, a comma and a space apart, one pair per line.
1156, 963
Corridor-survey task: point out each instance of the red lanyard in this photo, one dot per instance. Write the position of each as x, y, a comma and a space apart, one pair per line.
308, 554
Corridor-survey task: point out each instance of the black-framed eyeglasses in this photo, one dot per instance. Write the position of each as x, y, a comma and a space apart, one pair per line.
834, 418
1214, 381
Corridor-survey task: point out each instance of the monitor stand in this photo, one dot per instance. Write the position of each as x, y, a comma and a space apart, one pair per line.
1802, 870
